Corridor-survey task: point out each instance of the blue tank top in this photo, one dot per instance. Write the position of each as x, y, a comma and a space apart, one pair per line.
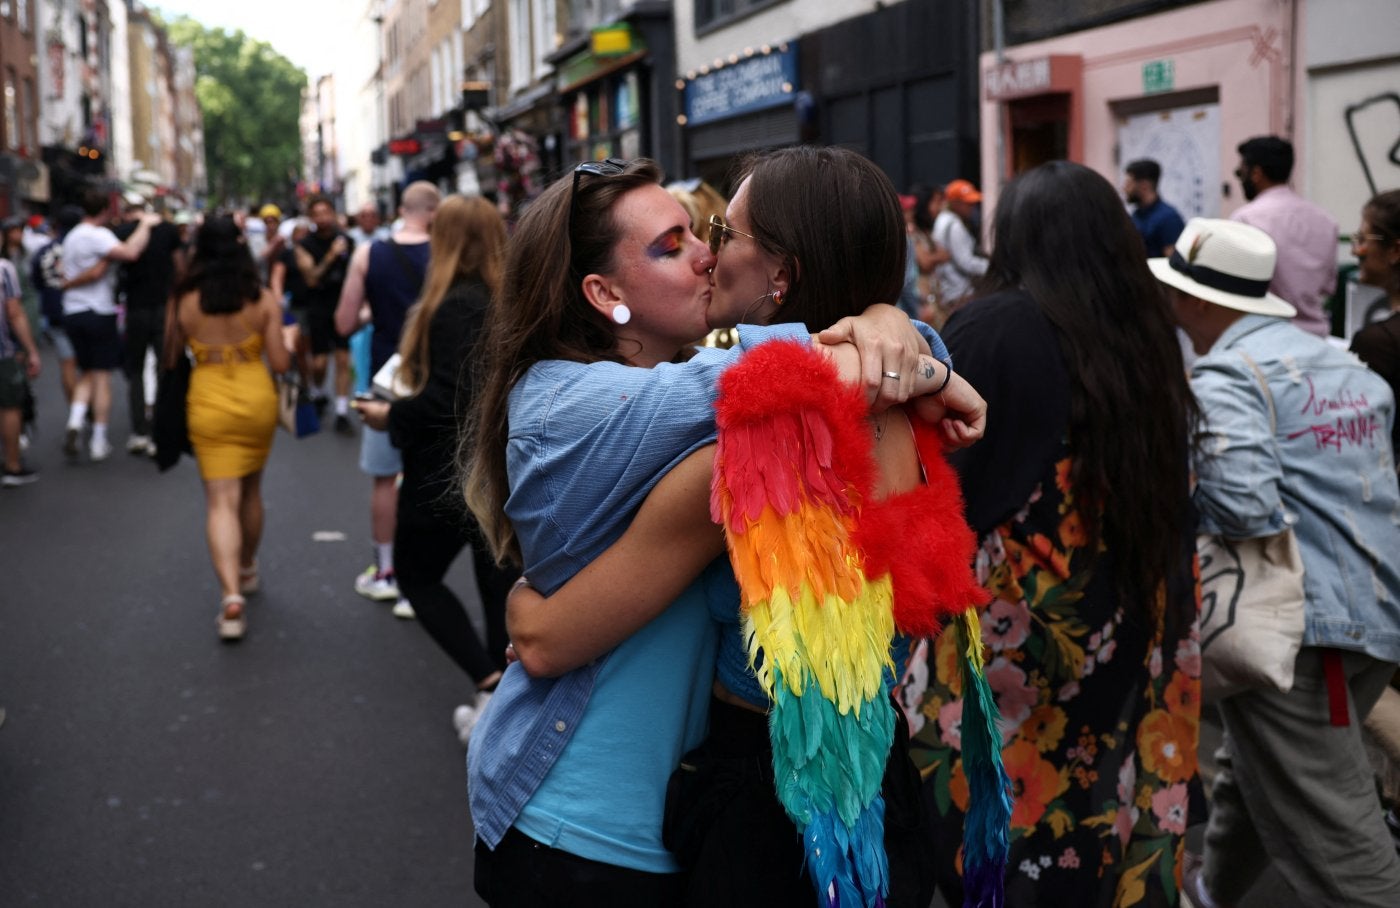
392, 284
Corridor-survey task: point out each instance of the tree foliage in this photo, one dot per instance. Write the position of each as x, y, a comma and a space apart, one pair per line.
251, 99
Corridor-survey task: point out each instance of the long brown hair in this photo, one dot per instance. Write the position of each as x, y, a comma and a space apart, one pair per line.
540, 314
468, 241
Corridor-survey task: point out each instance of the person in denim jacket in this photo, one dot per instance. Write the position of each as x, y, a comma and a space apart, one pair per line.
1295, 787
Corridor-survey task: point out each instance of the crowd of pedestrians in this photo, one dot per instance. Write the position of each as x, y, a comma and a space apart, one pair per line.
642, 728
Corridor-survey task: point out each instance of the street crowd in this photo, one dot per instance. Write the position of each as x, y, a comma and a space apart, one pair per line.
828, 554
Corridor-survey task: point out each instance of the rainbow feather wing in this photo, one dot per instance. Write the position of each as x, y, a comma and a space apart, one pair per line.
789, 478
826, 576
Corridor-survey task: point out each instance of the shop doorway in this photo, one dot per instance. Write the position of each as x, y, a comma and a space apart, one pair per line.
1039, 130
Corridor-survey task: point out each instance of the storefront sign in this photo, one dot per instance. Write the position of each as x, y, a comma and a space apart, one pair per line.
756, 83
611, 40
1037, 76
1158, 76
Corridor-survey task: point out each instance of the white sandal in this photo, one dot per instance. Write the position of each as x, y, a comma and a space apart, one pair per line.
233, 627
248, 583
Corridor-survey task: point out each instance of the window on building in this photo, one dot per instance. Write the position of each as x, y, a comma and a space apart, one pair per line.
520, 63
31, 107
22, 10
546, 35
12, 119
710, 13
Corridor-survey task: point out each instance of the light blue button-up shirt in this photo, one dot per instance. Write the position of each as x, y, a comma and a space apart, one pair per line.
587, 443
1327, 472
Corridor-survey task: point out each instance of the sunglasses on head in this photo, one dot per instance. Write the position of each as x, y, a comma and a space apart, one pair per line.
718, 228
605, 168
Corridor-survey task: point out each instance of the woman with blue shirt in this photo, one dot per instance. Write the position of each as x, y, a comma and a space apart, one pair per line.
583, 445
568, 773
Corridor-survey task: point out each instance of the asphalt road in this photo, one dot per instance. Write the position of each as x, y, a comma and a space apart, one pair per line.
144, 763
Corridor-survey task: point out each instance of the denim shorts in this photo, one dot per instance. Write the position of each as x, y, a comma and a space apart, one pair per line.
62, 346
378, 456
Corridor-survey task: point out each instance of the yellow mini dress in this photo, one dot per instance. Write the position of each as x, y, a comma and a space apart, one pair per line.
231, 407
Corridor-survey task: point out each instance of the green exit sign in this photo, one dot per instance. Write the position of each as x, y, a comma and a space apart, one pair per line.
1158, 76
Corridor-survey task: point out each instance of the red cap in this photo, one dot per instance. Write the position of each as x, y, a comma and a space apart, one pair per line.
962, 191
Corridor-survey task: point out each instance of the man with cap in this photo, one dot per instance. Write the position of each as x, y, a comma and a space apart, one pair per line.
266, 242
1293, 433
951, 232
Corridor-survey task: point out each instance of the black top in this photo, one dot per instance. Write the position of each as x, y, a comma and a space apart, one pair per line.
292, 282
147, 280
425, 427
326, 294
1378, 346
1003, 344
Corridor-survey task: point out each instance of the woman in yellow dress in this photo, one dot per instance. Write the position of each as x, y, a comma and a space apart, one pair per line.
230, 322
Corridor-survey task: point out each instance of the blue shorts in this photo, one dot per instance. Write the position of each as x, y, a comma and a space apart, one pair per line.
378, 456
62, 346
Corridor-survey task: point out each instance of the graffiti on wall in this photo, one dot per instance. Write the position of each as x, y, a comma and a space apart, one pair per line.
1365, 122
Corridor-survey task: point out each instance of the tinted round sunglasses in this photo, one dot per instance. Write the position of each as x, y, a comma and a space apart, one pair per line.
718, 228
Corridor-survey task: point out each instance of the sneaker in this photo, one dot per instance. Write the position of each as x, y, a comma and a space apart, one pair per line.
403, 610
465, 717
70, 443
139, 444
377, 585
99, 450
342, 425
21, 477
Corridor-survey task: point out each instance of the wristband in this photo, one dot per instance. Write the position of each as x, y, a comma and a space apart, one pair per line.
947, 378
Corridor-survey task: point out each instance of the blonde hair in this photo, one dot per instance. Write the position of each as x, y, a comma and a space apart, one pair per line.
468, 240
700, 200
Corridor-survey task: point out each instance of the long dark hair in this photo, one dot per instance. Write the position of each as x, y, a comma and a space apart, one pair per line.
221, 270
1061, 234
541, 314
834, 217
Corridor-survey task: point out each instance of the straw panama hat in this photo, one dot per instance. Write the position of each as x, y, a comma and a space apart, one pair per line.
1226, 263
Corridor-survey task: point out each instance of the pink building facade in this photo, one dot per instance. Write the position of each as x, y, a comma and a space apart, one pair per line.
1183, 87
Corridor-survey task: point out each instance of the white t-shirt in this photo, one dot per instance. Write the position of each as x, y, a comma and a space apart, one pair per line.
955, 275
86, 245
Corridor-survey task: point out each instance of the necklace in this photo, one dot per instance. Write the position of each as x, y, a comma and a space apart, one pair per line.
879, 422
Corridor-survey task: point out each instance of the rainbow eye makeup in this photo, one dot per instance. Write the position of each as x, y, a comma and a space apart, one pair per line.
666, 246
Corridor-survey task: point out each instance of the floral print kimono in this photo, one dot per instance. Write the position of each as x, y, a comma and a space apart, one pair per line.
1099, 698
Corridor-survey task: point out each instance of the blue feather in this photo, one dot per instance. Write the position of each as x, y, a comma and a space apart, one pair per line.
986, 828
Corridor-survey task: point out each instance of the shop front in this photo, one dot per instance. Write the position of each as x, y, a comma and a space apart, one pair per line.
747, 103
1161, 87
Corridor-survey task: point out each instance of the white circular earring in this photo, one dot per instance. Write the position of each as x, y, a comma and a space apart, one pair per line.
621, 314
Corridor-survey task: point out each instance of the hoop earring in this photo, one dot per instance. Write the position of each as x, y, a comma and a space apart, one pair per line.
621, 314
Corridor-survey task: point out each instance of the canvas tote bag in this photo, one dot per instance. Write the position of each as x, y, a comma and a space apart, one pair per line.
1251, 604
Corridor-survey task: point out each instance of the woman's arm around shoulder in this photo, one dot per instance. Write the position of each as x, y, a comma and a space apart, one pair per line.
668, 544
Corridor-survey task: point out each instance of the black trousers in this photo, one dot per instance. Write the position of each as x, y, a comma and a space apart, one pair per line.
522, 873
738, 845
429, 536
145, 330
